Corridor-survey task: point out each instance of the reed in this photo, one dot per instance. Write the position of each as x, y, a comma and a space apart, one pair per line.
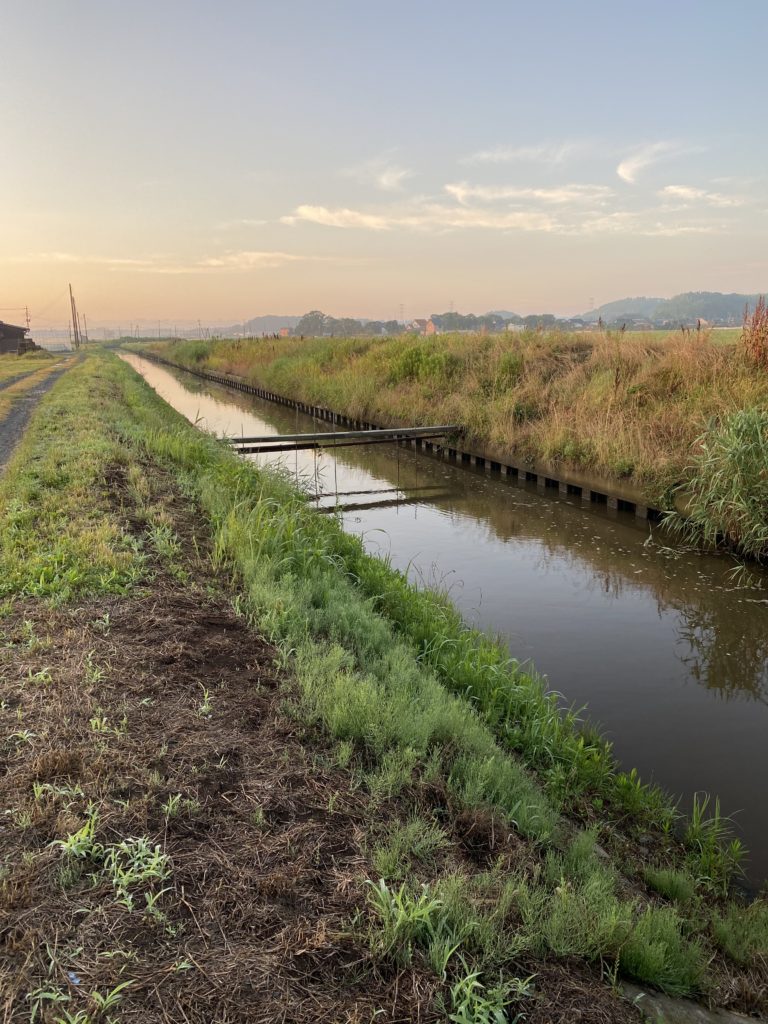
620, 406
726, 493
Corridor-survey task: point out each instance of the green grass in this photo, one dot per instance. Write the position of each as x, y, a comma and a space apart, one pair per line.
417, 839
714, 858
657, 952
726, 490
676, 885
58, 535
742, 932
408, 695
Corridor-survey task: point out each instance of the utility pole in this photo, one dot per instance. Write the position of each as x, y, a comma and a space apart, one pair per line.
75, 323
26, 310
85, 321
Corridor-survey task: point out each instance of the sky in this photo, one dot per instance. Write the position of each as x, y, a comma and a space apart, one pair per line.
179, 160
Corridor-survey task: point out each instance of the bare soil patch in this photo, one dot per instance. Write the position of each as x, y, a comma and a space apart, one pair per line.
168, 713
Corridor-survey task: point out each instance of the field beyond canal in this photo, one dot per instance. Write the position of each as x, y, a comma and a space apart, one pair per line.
250, 770
659, 415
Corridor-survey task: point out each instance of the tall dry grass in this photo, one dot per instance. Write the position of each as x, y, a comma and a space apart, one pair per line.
618, 406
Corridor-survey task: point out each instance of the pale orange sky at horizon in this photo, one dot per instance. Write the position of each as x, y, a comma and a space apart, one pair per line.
219, 164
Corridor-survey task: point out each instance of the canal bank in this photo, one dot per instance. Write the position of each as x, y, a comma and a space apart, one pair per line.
664, 648
462, 812
588, 488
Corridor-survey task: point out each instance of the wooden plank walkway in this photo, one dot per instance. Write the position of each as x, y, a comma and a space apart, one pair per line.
336, 438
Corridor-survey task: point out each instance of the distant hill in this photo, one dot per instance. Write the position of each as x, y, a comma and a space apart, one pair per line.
684, 308
638, 307
505, 314
260, 325
708, 305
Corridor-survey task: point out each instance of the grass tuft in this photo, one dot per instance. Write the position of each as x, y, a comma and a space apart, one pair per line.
658, 953
742, 932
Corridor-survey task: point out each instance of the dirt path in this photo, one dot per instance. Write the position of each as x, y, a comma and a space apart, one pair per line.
15, 380
13, 425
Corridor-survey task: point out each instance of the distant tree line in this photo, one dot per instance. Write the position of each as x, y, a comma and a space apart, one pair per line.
317, 324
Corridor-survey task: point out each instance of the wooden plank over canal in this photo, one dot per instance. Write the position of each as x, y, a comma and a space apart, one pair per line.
336, 438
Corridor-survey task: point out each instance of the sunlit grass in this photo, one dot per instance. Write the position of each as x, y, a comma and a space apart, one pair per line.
627, 406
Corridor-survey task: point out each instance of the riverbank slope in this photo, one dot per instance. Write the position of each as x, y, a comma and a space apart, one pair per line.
629, 410
254, 708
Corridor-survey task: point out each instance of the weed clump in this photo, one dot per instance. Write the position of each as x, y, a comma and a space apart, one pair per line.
656, 951
678, 886
726, 493
754, 335
742, 932
416, 840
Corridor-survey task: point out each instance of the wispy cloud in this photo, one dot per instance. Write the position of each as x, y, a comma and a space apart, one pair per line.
463, 192
248, 260
546, 154
57, 256
382, 172
631, 166
426, 216
646, 223
236, 261
341, 217
568, 216
390, 179
689, 193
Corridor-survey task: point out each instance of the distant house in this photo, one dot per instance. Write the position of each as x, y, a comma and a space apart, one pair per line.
420, 326
285, 332
13, 339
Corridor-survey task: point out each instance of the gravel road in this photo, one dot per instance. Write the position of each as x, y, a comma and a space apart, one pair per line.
12, 427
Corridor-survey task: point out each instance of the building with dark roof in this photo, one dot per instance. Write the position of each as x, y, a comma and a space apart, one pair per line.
12, 338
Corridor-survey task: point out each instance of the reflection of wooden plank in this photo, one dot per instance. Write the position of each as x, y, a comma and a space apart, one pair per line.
265, 449
364, 506
343, 435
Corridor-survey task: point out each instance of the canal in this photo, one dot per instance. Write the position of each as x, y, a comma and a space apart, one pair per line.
665, 648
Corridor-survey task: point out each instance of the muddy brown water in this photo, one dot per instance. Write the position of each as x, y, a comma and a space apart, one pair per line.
667, 650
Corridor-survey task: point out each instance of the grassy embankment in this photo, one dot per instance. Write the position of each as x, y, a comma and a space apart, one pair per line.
631, 408
491, 840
